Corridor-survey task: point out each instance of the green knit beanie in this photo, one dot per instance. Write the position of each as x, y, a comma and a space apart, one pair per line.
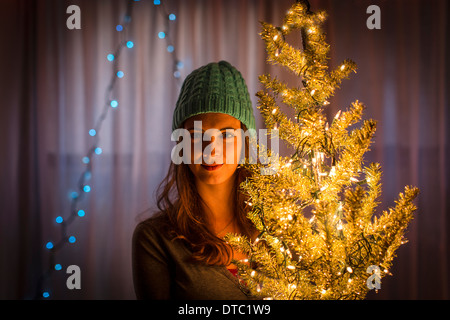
215, 87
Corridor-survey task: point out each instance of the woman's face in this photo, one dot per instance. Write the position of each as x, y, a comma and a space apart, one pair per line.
215, 151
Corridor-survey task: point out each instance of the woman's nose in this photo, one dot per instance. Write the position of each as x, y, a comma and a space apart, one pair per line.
213, 149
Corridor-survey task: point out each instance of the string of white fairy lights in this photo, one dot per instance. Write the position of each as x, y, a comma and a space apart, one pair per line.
83, 187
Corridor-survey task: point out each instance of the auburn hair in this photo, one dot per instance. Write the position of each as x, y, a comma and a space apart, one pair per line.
178, 199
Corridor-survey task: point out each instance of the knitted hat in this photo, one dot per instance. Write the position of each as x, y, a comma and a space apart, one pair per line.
216, 87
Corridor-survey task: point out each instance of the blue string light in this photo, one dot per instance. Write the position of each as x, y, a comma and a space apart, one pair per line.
165, 35
72, 239
83, 188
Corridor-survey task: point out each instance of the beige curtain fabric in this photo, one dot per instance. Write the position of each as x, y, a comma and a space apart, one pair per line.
53, 85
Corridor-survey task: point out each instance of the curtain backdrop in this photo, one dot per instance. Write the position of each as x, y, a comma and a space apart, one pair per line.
53, 83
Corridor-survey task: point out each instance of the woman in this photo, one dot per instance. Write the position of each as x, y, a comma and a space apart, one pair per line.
180, 253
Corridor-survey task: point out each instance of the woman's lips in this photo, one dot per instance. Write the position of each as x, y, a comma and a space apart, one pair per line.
212, 167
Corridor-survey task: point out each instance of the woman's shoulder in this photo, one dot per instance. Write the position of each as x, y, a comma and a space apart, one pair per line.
157, 219
156, 236
158, 225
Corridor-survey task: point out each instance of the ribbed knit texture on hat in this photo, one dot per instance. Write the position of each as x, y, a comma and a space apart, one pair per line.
215, 87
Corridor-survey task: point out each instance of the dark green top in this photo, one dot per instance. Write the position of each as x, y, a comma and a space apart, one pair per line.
161, 269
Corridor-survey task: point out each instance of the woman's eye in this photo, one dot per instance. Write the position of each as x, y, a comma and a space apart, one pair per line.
195, 136
228, 135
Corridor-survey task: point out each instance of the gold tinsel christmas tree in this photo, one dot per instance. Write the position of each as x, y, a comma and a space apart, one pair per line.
319, 237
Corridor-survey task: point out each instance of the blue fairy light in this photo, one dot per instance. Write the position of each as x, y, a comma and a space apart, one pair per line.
177, 74
87, 175
74, 196
172, 17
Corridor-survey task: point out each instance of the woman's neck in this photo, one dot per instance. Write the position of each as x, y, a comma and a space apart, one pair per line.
218, 203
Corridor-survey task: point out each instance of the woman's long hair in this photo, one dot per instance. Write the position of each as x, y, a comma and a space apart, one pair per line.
178, 198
